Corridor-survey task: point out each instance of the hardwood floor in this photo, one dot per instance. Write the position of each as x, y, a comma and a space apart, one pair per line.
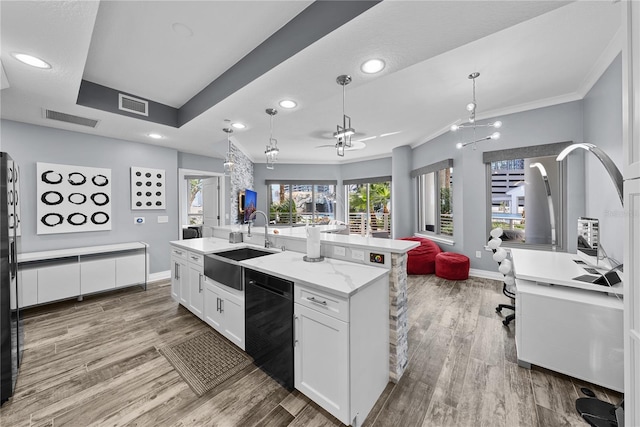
96, 362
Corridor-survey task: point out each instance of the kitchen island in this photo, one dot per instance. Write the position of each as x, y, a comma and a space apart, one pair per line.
342, 306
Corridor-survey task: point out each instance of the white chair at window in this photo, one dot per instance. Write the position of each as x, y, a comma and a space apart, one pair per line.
505, 267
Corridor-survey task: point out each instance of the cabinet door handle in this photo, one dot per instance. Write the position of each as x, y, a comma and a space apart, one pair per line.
217, 304
295, 330
177, 271
221, 306
312, 299
200, 283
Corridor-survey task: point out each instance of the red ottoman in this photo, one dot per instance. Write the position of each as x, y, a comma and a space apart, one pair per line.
452, 266
422, 259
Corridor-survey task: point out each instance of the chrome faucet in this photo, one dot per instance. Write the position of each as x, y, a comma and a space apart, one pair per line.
267, 243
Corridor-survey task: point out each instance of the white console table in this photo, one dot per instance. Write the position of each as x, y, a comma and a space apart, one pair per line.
566, 325
68, 273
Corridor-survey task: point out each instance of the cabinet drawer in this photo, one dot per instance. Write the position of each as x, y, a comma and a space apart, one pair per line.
322, 302
130, 270
97, 275
179, 253
58, 282
196, 258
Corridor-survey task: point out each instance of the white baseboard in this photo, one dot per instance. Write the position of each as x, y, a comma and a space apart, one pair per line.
485, 274
161, 275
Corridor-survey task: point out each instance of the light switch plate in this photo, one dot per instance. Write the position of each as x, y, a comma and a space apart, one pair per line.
163, 219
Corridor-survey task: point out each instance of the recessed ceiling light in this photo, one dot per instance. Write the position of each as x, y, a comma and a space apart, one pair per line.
155, 136
287, 103
31, 60
372, 66
238, 125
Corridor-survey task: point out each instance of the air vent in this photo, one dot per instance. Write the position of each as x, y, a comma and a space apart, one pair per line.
69, 118
133, 105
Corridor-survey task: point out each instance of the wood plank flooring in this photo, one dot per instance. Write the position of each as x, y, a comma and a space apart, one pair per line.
95, 363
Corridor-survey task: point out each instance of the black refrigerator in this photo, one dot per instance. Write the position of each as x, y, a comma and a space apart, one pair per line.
11, 335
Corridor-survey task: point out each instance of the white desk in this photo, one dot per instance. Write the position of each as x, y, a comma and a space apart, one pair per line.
567, 326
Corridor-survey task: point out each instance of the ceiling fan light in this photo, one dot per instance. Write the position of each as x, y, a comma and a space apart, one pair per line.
495, 135
471, 106
454, 128
459, 145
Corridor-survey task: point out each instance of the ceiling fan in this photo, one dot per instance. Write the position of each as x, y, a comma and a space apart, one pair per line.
355, 145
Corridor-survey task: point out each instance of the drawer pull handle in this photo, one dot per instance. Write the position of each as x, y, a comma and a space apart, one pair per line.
195, 258
312, 299
178, 252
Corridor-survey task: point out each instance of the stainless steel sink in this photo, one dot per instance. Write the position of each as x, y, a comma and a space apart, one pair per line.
224, 267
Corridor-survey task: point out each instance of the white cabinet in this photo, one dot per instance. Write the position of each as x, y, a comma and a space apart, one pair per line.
187, 280
224, 311
196, 291
98, 275
180, 275
130, 270
58, 282
322, 359
66, 273
342, 348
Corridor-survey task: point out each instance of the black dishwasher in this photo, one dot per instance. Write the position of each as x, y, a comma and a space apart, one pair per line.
269, 324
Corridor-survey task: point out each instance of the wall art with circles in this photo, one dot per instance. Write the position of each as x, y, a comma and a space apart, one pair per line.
72, 198
147, 188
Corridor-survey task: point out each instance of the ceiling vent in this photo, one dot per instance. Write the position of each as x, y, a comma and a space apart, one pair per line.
133, 105
69, 118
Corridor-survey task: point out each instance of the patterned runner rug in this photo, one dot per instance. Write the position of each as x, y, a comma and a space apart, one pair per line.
205, 360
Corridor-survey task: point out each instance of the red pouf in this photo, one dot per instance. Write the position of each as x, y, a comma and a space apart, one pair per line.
422, 259
452, 266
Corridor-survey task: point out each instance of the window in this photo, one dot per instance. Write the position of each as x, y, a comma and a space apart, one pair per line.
435, 201
195, 213
369, 203
526, 194
297, 203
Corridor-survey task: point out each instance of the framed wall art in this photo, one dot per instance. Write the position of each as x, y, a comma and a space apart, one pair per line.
72, 198
147, 188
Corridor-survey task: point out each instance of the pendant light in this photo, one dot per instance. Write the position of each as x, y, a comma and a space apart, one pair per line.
343, 133
272, 147
228, 160
472, 108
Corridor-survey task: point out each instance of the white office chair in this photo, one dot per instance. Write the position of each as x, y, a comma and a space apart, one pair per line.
506, 268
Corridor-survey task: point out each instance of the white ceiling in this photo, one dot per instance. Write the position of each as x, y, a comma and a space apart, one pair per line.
529, 53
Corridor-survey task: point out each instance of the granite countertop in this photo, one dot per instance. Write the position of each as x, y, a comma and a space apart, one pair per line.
341, 278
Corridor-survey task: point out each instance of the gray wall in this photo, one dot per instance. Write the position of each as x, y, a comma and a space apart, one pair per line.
540, 126
201, 163
603, 127
29, 144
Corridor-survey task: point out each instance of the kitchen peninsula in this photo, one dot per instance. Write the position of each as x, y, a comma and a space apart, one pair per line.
347, 364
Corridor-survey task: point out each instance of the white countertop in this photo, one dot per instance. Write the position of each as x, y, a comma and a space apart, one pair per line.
556, 268
328, 237
341, 278
72, 252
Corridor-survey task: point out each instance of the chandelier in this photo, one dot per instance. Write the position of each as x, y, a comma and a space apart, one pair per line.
343, 133
272, 147
228, 160
472, 107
